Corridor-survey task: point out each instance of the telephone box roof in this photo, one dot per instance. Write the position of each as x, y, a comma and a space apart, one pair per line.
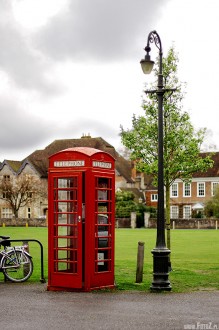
84, 150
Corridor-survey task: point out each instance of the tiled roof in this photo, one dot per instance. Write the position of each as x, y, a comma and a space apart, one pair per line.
211, 172
148, 181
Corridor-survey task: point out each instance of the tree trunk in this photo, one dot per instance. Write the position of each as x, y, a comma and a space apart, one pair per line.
168, 216
15, 212
168, 224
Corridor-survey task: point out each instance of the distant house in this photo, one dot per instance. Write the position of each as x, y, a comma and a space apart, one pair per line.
36, 164
151, 193
188, 199
10, 170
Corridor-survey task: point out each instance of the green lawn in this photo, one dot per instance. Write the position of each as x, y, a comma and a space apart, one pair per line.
194, 257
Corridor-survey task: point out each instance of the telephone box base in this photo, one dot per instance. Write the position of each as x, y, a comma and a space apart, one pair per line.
55, 288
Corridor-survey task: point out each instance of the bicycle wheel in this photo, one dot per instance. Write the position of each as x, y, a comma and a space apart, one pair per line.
18, 267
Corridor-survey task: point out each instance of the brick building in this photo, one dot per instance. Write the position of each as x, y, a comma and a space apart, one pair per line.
188, 199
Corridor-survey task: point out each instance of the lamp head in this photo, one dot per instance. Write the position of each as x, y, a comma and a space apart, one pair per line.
146, 63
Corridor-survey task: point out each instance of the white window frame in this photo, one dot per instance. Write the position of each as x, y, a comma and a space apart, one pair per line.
174, 212
154, 197
175, 190
29, 212
187, 184
214, 186
6, 212
199, 189
187, 211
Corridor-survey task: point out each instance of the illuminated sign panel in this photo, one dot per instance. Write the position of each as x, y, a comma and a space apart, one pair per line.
102, 164
69, 163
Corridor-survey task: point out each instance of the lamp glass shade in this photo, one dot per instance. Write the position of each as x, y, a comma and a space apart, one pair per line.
147, 66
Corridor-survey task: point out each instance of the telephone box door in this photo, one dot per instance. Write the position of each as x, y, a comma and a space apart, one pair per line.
65, 250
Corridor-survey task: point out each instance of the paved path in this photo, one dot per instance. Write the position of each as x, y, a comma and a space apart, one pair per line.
30, 306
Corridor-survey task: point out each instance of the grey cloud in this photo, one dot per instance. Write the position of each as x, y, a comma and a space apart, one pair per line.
23, 132
94, 127
99, 30
18, 59
20, 130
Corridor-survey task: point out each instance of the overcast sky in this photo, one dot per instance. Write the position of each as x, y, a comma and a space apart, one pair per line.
71, 67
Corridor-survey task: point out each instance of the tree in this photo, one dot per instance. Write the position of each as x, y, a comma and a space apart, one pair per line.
181, 142
20, 191
212, 206
125, 204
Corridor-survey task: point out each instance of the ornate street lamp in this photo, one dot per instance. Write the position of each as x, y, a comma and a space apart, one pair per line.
160, 252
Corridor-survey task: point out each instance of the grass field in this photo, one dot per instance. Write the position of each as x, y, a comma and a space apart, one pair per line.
194, 257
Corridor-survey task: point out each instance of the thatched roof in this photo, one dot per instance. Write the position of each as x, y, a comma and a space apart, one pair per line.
40, 158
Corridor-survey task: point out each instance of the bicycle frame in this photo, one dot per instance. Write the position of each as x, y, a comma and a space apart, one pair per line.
4, 254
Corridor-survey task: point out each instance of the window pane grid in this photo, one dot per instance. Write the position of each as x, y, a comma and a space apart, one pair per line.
187, 190
174, 190
201, 189
174, 212
187, 212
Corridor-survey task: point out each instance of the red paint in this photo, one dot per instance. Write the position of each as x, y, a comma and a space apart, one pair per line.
81, 225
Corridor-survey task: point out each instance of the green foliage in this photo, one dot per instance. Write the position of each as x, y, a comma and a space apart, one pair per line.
125, 204
212, 206
181, 142
124, 210
124, 196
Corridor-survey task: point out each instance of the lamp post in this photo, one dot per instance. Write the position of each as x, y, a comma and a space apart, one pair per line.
160, 252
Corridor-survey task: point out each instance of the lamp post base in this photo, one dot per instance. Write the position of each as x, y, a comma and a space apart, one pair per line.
160, 270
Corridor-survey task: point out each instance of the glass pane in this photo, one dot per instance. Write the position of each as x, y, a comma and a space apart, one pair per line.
102, 262
102, 195
67, 243
67, 255
64, 207
66, 267
68, 219
67, 231
67, 182
67, 195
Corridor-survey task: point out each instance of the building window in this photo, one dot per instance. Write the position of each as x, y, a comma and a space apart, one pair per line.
174, 212
28, 212
187, 211
29, 194
174, 190
5, 195
154, 197
214, 187
186, 189
6, 212
201, 189
6, 177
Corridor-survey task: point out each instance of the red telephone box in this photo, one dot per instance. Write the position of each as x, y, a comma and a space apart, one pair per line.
81, 220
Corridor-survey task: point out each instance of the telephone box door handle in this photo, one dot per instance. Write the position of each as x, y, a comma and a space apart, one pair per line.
79, 218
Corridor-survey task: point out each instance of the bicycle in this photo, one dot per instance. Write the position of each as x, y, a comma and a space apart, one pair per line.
15, 262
